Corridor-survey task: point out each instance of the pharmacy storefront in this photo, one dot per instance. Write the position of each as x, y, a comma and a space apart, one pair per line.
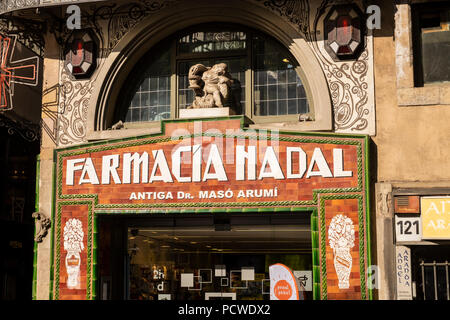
210, 210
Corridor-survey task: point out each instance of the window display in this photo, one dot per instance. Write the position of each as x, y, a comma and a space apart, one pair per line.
215, 259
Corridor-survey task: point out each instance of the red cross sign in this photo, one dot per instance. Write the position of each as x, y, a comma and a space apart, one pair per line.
23, 71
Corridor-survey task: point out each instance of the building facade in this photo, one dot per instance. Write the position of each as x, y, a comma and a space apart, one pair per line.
20, 105
243, 150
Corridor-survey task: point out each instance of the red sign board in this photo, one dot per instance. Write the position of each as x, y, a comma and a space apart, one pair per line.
228, 168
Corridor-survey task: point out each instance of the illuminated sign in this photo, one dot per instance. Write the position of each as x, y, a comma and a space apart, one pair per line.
13, 70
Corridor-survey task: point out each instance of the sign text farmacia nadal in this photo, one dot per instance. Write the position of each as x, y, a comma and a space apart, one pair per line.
141, 168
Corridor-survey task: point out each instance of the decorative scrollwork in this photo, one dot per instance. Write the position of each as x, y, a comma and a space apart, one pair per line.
27, 130
296, 11
123, 18
347, 81
73, 109
110, 24
9, 5
27, 32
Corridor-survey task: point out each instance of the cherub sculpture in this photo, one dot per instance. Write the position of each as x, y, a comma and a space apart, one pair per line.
211, 85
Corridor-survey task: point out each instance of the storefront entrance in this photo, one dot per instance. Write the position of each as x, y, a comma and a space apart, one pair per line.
202, 257
207, 217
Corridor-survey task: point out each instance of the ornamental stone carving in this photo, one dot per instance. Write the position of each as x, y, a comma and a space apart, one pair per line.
43, 224
211, 85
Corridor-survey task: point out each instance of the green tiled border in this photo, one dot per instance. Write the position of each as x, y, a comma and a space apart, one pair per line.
315, 254
35, 245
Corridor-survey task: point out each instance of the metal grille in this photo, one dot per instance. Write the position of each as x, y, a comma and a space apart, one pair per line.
435, 280
403, 201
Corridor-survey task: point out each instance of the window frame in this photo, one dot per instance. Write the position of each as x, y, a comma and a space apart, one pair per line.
176, 57
416, 10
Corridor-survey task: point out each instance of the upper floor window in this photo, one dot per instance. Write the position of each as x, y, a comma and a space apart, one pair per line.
265, 85
431, 32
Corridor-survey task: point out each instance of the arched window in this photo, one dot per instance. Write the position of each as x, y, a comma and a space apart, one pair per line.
266, 85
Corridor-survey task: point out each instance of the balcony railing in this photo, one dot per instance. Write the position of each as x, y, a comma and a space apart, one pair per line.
12, 5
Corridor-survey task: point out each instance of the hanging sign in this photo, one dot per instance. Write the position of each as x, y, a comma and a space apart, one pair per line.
435, 215
283, 283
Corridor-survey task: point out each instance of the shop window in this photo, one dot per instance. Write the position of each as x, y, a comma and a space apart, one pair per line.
266, 85
431, 32
211, 257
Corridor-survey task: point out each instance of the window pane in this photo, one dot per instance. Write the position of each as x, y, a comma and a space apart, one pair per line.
151, 101
196, 262
435, 53
278, 89
302, 106
145, 98
201, 42
282, 106
435, 39
292, 106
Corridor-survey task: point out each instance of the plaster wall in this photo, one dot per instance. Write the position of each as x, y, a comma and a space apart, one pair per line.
412, 142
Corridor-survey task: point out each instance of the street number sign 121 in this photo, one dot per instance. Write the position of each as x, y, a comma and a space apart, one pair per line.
408, 228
